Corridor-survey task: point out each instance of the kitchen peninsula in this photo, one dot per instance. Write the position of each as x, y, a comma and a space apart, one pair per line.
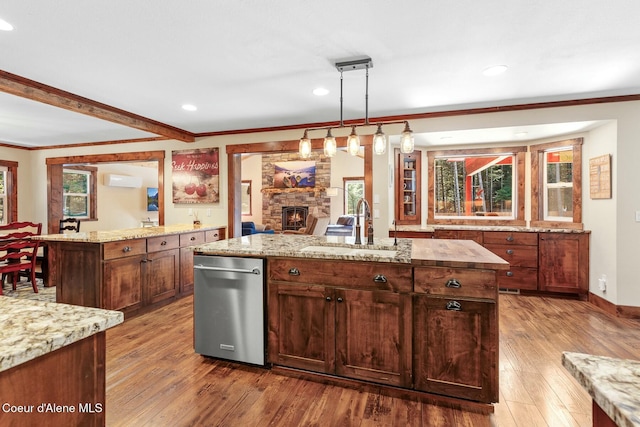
52, 363
130, 270
418, 319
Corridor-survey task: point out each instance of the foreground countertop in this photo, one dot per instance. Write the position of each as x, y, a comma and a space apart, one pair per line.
31, 329
430, 252
124, 234
614, 384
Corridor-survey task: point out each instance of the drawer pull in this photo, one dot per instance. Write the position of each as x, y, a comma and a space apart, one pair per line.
126, 249
163, 243
509, 273
294, 272
328, 298
510, 238
340, 299
509, 251
380, 278
215, 235
454, 306
193, 238
145, 260
453, 283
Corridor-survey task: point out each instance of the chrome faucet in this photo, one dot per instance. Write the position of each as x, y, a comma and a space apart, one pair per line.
367, 217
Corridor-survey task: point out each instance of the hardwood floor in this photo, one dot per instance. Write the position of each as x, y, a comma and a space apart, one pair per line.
154, 377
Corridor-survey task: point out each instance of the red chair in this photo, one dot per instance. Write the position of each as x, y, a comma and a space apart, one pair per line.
18, 255
18, 230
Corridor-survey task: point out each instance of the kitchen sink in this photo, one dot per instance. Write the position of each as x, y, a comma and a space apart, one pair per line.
353, 251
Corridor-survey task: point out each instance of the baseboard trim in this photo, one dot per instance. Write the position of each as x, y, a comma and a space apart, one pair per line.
624, 311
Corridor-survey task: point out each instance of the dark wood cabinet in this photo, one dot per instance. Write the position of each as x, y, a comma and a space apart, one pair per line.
408, 187
474, 235
355, 323
456, 347
563, 262
123, 282
520, 249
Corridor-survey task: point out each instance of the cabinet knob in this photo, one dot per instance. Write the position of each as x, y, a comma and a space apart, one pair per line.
328, 298
126, 249
509, 251
453, 283
380, 278
294, 272
339, 299
509, 273
193, 238
145, 260
454, 306
163, 243
510, 238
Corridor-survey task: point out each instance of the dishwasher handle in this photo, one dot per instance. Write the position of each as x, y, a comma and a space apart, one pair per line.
255, 270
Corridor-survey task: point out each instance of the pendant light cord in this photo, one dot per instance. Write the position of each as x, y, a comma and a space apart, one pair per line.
341, 122
366, 99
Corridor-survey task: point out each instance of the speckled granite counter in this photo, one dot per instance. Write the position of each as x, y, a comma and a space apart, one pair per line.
480, 227
31, 329
614, 384
125, 234
288, 245
434, 252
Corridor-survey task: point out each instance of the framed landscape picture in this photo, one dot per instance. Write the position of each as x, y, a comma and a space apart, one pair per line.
296, 174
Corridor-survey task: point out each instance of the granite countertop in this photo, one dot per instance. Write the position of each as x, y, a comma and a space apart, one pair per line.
434, 252
31, 329
124, 234
480, 227
290, 245
614, 384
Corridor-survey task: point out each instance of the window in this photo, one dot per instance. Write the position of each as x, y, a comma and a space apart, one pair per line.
353, 191
557, 181
471, 186
8, 191
3, 194
76, 193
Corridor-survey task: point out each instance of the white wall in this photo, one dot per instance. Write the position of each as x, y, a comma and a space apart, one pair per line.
615, 240
252, 170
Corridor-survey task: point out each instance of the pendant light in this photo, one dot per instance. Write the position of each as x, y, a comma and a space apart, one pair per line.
330, 146
406, 140
353, 142
379, 141
305, 146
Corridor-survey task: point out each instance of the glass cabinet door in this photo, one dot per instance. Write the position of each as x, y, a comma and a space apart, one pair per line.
408, 188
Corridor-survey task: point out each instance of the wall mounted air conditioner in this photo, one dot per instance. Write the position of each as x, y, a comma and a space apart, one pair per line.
113, 180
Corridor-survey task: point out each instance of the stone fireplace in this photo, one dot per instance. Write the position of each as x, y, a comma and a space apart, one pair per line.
294, 217
275, 203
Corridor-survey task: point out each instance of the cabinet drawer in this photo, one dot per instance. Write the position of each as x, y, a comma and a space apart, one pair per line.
510, 238
189, 239
474, 235
516, 255
365, 275
518, 278
155, 244
214, 235
455, 282
124, 248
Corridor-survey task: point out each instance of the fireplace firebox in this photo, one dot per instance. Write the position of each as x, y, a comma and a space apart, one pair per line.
294, 217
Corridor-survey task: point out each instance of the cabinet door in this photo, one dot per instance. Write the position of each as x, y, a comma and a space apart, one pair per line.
456, 347
302, 327
373, 336
123, 279
408, 187
186, 271
162, 275
563, 262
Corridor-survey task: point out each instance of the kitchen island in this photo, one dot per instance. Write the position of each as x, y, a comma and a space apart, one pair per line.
417, 319
131, 270
52, 363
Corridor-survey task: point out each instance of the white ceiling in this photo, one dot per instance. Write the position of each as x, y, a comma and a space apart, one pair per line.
253, 64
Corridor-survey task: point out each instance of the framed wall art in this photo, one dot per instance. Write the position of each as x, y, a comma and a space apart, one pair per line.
195, 176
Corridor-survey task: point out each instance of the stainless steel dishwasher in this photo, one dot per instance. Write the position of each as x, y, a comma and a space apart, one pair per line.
229, 308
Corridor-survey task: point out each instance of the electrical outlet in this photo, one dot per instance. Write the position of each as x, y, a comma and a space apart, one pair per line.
190, 212
602, 283
209, 212
637, 216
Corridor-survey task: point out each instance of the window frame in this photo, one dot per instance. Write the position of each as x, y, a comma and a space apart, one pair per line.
518, 196
345, 182
539, 187
92, 173
11, 190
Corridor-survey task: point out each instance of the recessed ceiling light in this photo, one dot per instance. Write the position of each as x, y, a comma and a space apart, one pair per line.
5, 26
494, 70
189, 107
320, 91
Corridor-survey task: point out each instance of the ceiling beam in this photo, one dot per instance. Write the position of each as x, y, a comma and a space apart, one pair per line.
25, 88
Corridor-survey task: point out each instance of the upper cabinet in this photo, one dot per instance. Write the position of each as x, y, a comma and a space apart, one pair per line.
408, 178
